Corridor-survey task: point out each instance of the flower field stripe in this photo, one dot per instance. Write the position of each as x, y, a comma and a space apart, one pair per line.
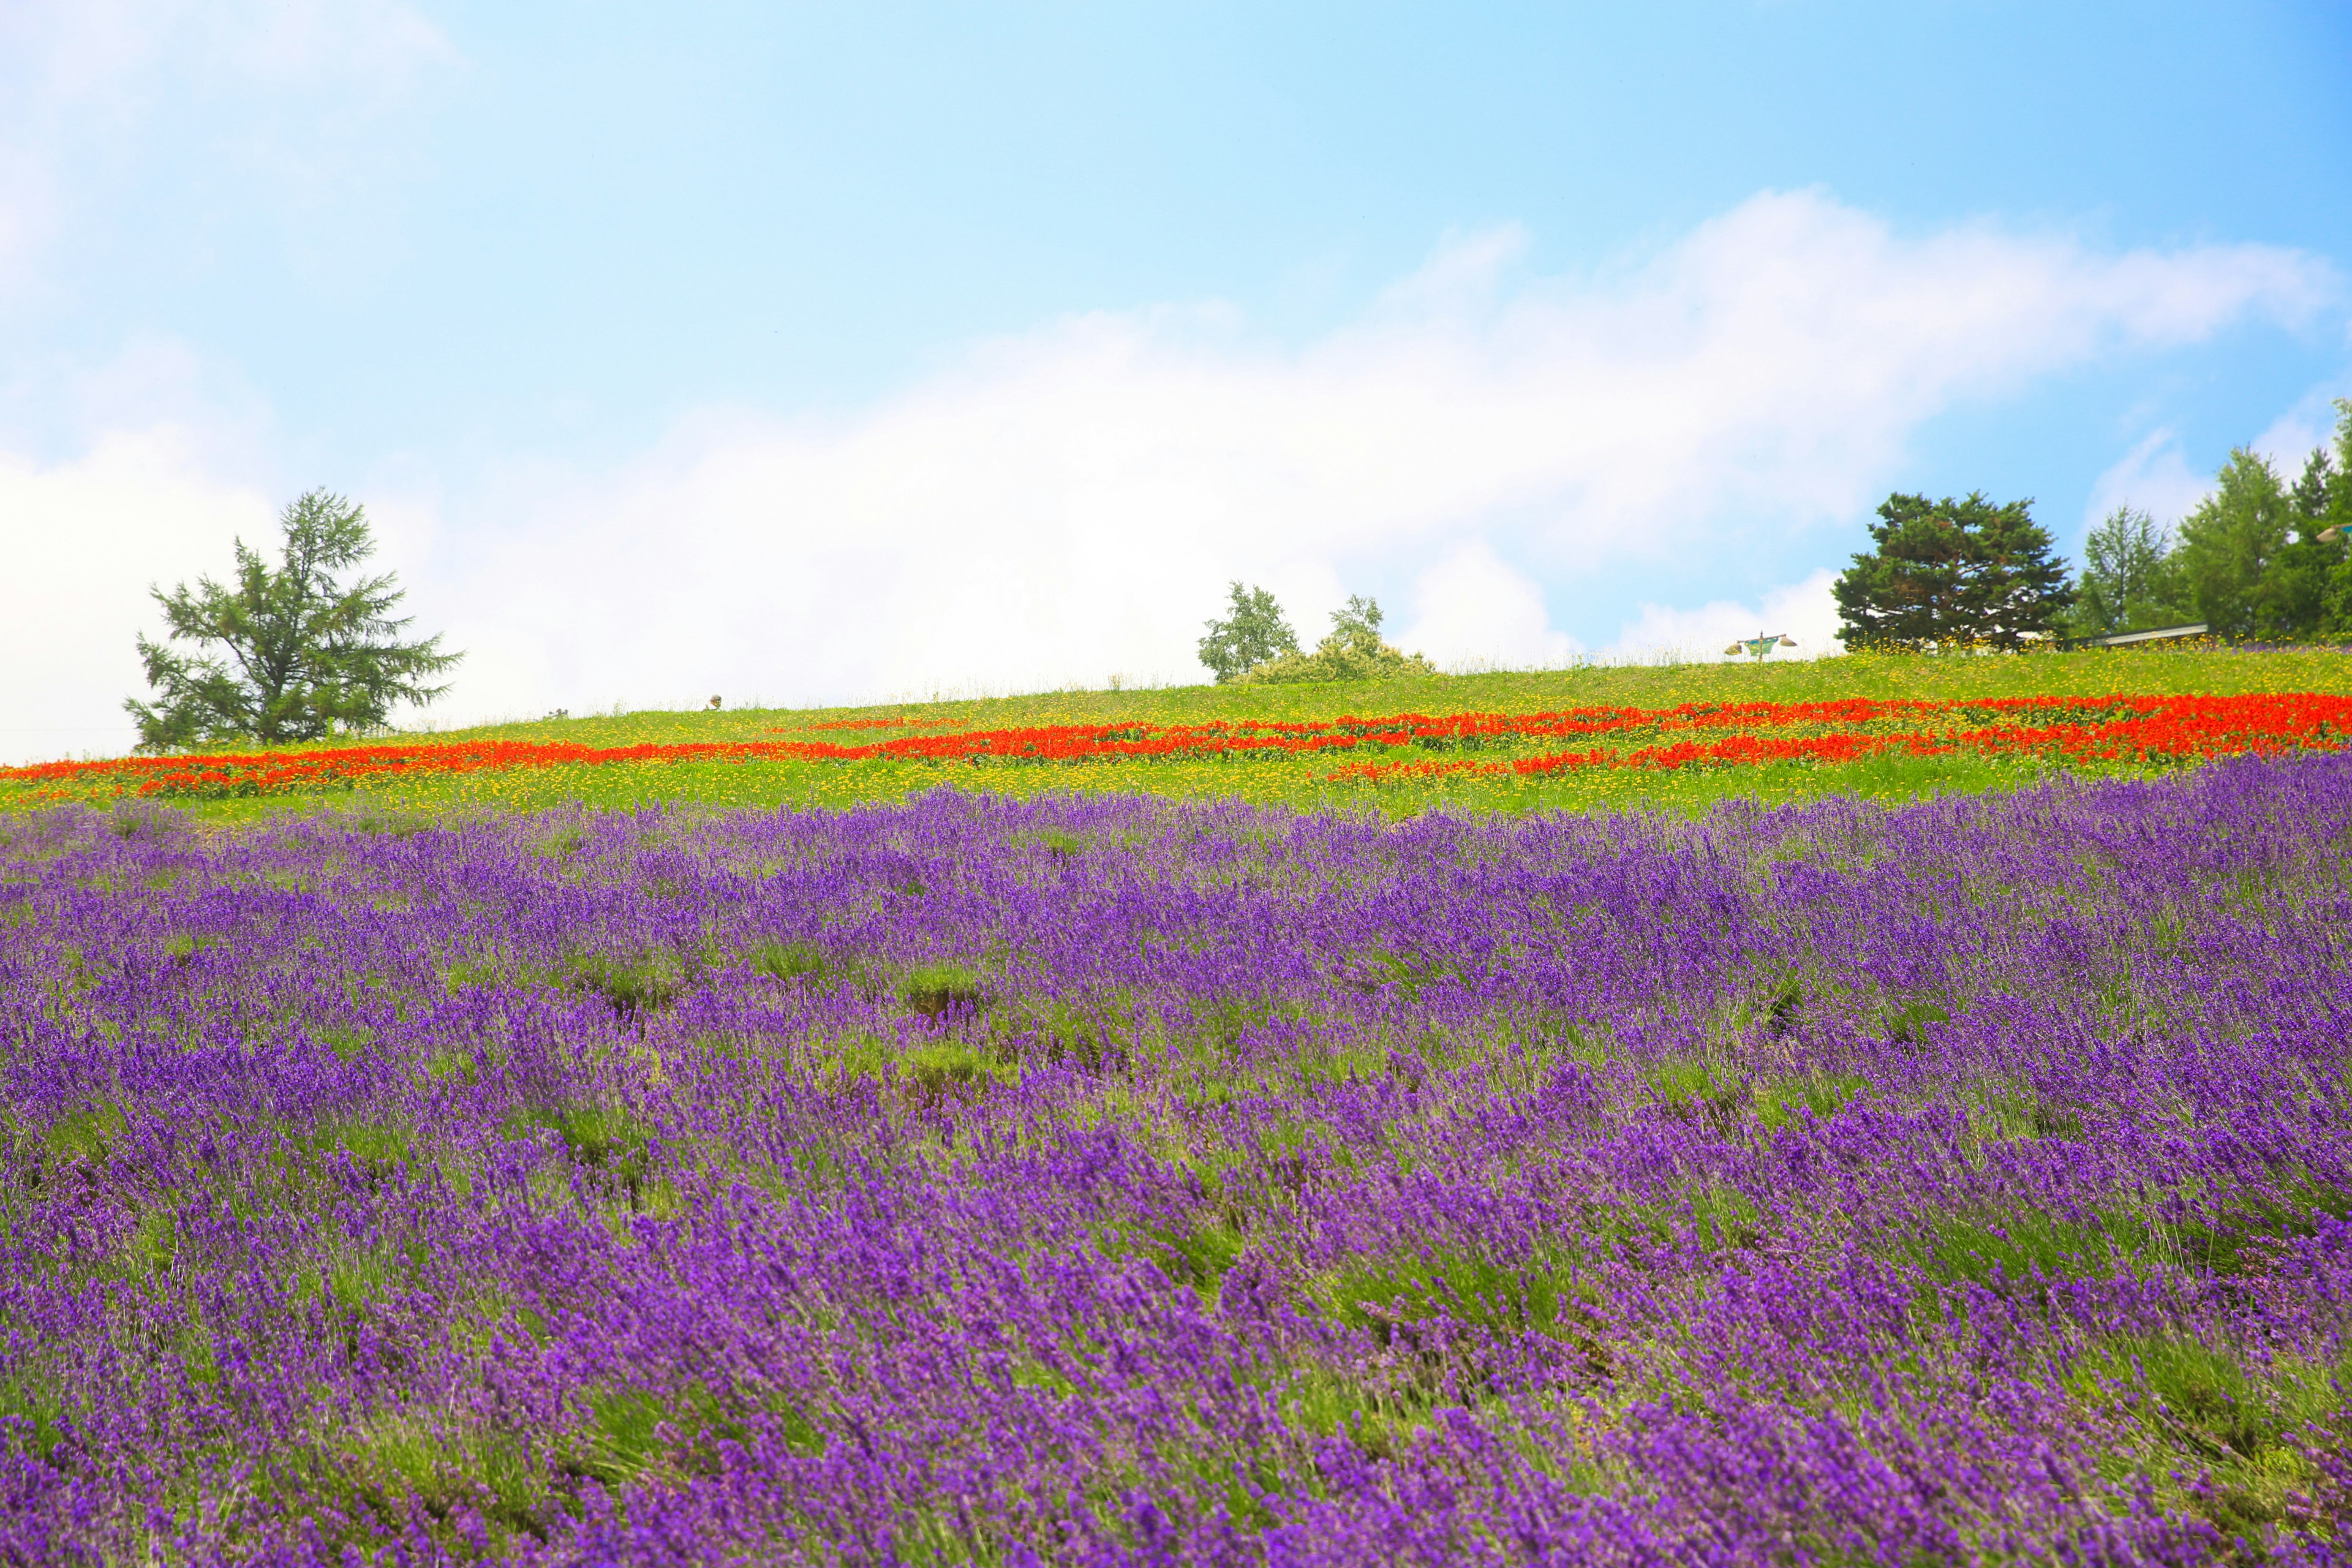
2068, 728
1105, 1179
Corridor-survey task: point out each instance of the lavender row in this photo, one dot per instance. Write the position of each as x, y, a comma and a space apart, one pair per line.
1112, 1180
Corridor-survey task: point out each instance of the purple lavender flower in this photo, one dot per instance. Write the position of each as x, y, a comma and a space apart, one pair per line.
1108, 1180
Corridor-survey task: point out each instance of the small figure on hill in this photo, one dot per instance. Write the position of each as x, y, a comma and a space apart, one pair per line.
307, 656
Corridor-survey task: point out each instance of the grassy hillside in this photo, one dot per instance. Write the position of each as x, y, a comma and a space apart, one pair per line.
2086, 673
1305, 781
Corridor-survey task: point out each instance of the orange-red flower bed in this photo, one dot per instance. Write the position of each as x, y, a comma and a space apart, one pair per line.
2071, 729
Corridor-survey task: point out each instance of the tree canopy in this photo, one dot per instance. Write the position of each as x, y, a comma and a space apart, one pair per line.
2130, 582
2258, 557
1352, 650
1952, 573
304, 654
2257, 554
1252, 632
2233, 551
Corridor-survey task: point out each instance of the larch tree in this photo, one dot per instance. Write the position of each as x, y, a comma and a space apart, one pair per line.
304, 653
2232, 551
2130, 582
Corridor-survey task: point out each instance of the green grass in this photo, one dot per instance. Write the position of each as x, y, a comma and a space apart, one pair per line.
2084, 673
2232, 1424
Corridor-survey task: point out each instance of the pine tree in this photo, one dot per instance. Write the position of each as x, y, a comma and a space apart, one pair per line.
1951, 573
307, 656
2299, 603
2314, 490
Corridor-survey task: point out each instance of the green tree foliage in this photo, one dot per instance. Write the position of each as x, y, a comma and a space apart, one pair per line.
307, 654
2308, 566
2314, 494
2328, 504
2237, 552
1952, 573
1352, 651
2129, 583
2259, 552
2258, 558
1252, 632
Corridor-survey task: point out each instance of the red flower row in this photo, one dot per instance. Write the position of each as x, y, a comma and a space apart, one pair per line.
2071, 727
2135, 729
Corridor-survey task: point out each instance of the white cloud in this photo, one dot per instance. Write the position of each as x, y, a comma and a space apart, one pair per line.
2153, 478
1475, 611
83, 541
1070, 503
1803, 612
2155, 475
112, 57
1462, 275
2292, 437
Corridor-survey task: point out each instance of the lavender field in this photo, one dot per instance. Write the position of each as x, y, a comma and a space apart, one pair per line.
1124, 1181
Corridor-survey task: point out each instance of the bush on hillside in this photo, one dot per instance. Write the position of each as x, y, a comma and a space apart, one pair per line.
1254, 631
1353, 652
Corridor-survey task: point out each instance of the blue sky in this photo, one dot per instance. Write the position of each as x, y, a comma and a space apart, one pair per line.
827, 353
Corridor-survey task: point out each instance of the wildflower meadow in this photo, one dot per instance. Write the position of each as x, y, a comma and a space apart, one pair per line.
1181, 1137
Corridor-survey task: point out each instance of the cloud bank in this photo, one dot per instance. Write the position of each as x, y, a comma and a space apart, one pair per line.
1068, 504
83, 541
